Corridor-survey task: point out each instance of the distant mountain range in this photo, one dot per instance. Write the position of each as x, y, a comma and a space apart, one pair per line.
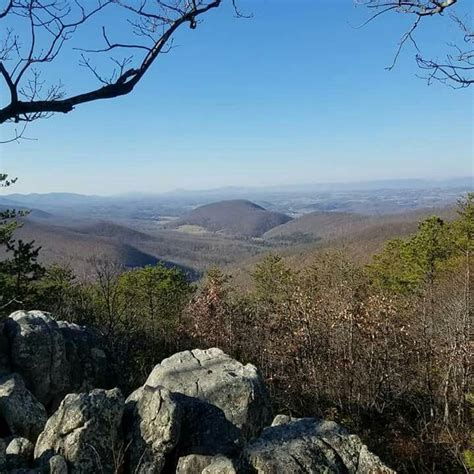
394, 184
371, 197
196, 231
74, 199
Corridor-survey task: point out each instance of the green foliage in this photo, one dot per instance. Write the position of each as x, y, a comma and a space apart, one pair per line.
55, 291
405, 266
463, 227
137, 311
468, 454
8, 223
18, 273
429, 248
155, 294
272, 279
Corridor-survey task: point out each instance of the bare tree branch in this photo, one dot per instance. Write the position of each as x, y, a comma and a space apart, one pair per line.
52, 23
6, 9
18, 136
457, 69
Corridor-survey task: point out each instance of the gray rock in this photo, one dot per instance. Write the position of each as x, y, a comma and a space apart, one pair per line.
86, 431
193, 463
201, 464
215, 378
19, 409
54, 358
57, 465
38, 353
220, 465
19, 453
152, 421
310, 445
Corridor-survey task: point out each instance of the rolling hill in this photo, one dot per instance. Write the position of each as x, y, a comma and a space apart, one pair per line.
66, 246
359, 237
79, 248
77, 243
317, 226
225, 240
239, 217
331, 226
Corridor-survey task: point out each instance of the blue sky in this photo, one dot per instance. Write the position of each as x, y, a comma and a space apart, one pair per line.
294, 95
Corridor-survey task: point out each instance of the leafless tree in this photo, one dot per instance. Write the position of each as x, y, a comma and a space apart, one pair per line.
34, 34
457, 68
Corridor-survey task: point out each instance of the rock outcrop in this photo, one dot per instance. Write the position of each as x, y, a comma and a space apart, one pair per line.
199, 412
38, 353
20, 412
215, 378
54, 358
310, 445
205, 429
86, 431
153, 421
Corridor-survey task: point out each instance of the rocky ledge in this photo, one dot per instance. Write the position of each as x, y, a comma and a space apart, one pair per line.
199, 411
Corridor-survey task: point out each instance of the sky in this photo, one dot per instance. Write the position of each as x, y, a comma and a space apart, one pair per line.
296, 94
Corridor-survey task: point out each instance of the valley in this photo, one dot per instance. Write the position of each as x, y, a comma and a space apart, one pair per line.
198, 230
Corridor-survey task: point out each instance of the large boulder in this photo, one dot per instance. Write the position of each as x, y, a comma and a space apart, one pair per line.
310, 445
20, 413
152, 422
86, 431
215, 378
54, 358
38, 353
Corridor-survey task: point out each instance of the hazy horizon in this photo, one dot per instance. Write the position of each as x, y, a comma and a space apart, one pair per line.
389, 183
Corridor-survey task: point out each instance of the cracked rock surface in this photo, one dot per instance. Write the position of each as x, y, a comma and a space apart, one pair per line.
310, 445
215, 378
54, 357
85, 430
19, 410
153, 422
